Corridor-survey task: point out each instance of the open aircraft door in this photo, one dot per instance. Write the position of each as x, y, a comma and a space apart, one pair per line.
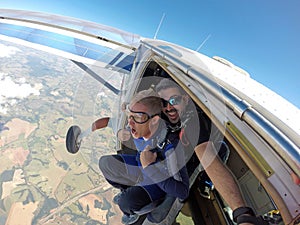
49, 65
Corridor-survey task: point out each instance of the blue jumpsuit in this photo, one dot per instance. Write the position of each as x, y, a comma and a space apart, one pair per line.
142, 186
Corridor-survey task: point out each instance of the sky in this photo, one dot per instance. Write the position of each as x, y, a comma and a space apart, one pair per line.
260, 36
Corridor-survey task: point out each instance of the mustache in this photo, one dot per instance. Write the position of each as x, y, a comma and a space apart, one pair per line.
170, 111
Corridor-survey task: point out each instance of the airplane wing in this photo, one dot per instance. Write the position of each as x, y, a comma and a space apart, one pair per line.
79, 39
48, 68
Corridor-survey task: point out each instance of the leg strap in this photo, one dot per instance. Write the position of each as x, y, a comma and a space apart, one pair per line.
241, 211
246, 215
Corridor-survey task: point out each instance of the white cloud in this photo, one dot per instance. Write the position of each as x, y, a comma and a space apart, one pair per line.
101, 94
8, 51
10, 91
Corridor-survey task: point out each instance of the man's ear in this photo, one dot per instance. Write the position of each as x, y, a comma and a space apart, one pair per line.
155, 120
186, 99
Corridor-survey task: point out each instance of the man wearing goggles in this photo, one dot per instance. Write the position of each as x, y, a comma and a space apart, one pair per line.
139, 117
140, 178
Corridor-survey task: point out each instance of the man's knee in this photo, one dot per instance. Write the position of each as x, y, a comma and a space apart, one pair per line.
200, 149
109, 163
103, 162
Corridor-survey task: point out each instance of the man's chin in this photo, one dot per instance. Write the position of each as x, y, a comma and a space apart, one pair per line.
136, 136
174, 120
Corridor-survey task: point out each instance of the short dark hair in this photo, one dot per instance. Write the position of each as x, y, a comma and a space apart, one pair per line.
167, 83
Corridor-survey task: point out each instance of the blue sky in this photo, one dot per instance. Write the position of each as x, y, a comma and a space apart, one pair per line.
260, 36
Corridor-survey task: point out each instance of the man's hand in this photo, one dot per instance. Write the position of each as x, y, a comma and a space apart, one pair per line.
147, 157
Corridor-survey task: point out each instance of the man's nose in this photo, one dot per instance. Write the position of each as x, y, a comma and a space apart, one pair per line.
169, 106
130, 121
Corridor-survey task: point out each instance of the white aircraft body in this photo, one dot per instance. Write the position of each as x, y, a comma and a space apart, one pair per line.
58, 71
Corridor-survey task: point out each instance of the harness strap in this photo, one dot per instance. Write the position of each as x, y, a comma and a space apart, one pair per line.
240, 216
240, 211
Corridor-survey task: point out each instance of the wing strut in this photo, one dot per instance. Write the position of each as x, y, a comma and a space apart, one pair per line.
97, 77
